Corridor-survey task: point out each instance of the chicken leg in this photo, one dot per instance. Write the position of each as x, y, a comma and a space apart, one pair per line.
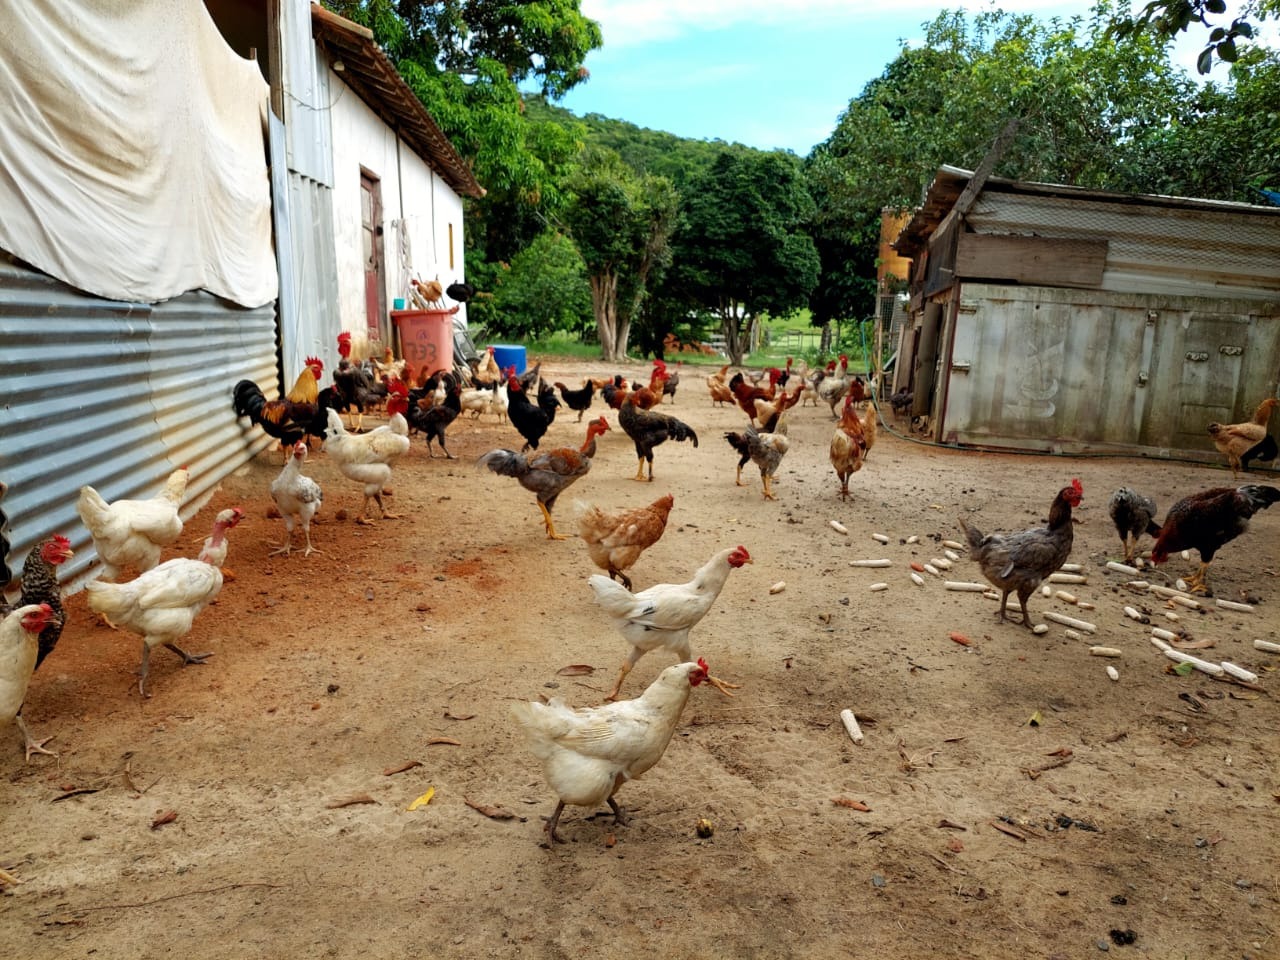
1196, 583
640, 470
549, 524
33, 745
145, 668
737, 480
768, 489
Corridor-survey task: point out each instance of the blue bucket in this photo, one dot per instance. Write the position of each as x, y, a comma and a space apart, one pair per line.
506, 355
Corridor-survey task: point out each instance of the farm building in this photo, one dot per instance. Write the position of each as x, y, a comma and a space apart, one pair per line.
252, 179
1054, 318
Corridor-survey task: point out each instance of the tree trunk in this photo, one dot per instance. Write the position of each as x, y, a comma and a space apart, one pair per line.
604, 304
732, 331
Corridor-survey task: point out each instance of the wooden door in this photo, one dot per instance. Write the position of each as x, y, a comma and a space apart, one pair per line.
374, 263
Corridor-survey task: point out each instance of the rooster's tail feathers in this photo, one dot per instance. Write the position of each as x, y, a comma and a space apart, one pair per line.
249, 400
108, 599
506, 463
616, 599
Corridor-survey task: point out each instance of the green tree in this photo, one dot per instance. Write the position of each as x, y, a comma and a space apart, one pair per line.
1165, 19
467, 61
544, 289
743, 249
621, 223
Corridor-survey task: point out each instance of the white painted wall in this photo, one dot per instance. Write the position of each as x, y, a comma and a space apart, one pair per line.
419, 210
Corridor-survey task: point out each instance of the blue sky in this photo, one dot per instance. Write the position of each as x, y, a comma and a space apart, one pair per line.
766, 73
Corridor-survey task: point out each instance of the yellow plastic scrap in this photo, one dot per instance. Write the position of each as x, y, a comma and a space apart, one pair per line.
423, 800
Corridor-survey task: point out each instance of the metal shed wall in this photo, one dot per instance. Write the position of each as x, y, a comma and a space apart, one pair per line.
1185, 250
1082, 370
117, 395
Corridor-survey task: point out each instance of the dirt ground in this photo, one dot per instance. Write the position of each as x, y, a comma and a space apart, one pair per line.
1145, 805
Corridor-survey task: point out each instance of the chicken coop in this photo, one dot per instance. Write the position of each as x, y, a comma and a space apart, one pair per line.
1058, 319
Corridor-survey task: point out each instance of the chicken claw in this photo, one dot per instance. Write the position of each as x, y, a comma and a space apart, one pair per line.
724, 686
33, 745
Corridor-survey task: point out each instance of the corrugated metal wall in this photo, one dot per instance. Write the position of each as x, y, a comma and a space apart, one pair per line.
117, 395
1176, 250
1079, 370
302, 186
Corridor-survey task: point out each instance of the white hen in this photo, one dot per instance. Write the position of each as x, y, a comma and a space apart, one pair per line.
298, 498
162, 604
662, 616
588, 754
131, 533
19, 646
367, 457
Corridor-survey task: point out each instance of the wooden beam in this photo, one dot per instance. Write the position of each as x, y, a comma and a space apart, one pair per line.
985, 168
1039, 260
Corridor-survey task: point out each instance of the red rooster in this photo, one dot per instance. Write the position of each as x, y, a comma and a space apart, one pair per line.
297, 416
747, 395
1205, 521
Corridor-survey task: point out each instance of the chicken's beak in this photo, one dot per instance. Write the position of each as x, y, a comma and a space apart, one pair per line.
722, 685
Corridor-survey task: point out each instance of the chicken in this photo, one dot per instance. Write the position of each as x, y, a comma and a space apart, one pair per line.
1133, 514
488, 371
616, 540
287, 420
1242, 442
1019, 562
671, 381
162, 604
1206, 521
19, 649
587, 754
478, 400
306, 388
616, 392
764, 449
433, 421
132, 533
648, 397
766, 410
40, 585
647, 429
834, 385
746, 395
549, 473
901, 402
661, 617
718, 385
851, 443
356, 387
529, 420
297, 497
579, 399
366, 458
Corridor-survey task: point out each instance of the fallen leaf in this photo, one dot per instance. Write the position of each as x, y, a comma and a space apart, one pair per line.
350, 801
423, 800
74, 793
1190, 644
610, 840
576, 670
449, 740
401, 768
1183, 669
851, 804
1060, 752
961, 639
163, 817
951, 825
492, 812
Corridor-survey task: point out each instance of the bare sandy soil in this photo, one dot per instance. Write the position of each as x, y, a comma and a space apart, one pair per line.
1146, 805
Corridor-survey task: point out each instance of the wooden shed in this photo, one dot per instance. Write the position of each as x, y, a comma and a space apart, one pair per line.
1055, 318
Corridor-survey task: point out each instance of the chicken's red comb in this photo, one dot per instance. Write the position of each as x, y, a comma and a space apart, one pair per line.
61, 541
313, 362
703, 665
397, 387
1075, 483
344, 335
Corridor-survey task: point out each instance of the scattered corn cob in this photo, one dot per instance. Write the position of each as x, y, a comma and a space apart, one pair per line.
1066, 621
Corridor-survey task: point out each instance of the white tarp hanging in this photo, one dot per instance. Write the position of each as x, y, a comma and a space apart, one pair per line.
132, 157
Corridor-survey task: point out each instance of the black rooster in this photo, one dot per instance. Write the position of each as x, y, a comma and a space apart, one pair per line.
579, 399
529, 419
434, 420
647, 429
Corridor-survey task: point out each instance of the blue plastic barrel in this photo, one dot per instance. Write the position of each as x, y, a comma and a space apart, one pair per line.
507, 355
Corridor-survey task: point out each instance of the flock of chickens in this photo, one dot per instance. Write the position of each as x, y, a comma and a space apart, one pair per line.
587, 753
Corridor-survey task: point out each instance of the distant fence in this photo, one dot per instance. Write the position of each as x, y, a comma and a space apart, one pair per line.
796, 341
